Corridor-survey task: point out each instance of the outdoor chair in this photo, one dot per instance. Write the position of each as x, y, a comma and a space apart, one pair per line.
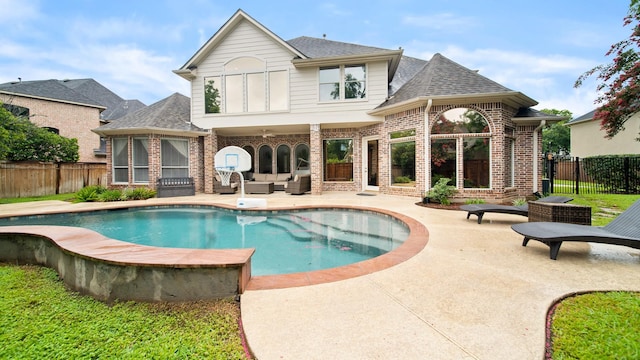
480, 209
623, 230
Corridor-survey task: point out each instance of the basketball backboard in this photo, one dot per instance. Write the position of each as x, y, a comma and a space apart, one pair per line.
233, 158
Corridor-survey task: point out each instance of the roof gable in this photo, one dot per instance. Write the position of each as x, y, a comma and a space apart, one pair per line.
228, 27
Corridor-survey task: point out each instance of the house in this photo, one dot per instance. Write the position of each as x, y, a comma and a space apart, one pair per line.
70, 108
588, 139
358, 118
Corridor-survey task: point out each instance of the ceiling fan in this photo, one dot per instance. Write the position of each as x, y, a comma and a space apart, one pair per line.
266, 134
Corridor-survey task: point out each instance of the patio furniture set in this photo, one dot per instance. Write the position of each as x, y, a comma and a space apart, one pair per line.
268, 183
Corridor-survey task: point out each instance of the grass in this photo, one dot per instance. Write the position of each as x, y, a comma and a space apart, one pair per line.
604, 207
599, 325
61, 197
41, 319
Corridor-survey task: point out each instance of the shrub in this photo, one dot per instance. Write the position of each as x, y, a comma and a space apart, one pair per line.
519, 201
90, 193
141, 193
402, 180
441, 191
111, 195
474, 201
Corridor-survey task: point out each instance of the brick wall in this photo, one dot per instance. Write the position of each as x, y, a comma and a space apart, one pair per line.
72, 121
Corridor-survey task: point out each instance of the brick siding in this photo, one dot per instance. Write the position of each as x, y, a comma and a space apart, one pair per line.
72, 121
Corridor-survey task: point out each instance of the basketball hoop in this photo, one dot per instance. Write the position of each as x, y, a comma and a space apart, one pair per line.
225, 175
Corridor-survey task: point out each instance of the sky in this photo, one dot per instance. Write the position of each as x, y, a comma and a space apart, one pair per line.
538, 48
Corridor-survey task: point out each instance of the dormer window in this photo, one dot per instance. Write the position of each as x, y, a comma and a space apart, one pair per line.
246, 87
345, 82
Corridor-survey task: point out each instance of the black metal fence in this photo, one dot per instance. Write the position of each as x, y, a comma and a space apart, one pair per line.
593, 175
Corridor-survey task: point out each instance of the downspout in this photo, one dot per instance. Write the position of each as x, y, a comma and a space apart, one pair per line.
535, 154
427, 147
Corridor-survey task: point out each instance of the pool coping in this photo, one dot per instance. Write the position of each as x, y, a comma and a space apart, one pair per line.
73, 240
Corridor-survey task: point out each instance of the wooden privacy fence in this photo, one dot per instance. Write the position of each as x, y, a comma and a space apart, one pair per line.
26, 179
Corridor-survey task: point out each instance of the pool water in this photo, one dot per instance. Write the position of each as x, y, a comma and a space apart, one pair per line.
286, 241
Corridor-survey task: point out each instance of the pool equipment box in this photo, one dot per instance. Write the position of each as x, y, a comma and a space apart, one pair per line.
246, 203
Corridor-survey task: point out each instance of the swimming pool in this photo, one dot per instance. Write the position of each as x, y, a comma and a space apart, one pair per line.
286, 241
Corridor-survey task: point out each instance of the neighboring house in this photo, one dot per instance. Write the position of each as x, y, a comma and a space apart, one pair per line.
588, 139
70, 108
356, 117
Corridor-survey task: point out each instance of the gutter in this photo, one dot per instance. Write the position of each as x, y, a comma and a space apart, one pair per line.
535, 154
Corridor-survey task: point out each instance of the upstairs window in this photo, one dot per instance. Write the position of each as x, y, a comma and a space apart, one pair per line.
342, 82
246, 86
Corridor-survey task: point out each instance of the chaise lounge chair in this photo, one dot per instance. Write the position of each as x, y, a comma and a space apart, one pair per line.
623, 230
523, 210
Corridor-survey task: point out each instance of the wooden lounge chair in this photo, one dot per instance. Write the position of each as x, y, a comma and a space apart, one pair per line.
523, 210
623, 230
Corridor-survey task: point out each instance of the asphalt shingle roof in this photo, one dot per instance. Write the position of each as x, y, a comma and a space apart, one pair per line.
320, 48
49, 89
587, 116
171, 113
116, 106
441, 76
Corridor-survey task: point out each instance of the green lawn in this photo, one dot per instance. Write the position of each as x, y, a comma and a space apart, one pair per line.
61, 197
41, 319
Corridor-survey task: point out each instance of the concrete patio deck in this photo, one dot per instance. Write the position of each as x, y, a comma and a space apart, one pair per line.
472, 293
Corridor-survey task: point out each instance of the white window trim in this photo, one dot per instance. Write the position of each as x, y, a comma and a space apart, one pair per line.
135, 167
114, 167
162, 167
342, 84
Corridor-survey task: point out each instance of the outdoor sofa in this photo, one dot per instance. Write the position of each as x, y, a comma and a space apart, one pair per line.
623, 230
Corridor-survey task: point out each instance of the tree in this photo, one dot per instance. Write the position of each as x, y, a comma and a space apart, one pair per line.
211, 98
556, 138
21, 140
619, 80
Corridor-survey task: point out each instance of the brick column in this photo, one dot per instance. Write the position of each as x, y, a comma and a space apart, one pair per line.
210, 150
315, 158
155, 168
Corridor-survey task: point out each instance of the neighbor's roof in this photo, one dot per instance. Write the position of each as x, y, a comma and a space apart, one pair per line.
586, 117
52, 90
117, 107
167, 116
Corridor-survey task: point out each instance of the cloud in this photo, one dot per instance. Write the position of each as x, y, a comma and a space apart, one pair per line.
17, 11
547, 78
441, 21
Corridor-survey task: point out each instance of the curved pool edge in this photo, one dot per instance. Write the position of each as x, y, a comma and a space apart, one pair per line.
415, 242
103, 253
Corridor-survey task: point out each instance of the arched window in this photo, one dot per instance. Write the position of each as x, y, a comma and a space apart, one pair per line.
302, 157
465, 132
283, 159
264, 161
